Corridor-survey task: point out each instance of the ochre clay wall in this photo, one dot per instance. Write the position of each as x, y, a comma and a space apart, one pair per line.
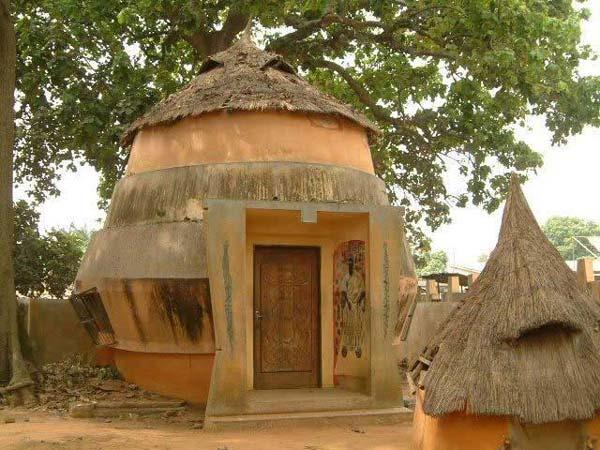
593, 429
426, 319
55, 331
175, 375
226, 137
564, 435
457, 431
160, 315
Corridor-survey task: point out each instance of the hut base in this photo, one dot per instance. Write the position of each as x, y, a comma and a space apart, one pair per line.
460, 431
457, 431
183, 376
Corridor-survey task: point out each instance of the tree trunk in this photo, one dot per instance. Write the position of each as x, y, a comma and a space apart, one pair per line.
11, 350
208, 43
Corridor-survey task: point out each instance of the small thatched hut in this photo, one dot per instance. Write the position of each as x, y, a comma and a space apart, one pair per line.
251, 248
517, 364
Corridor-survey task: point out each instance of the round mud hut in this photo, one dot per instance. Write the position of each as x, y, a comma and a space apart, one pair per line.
250, 247
517, 364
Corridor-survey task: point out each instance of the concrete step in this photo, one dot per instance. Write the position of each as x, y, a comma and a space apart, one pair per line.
323, 418
123, 408
276, 401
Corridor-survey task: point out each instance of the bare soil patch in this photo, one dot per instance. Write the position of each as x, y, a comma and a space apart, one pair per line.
47, 424
45, 430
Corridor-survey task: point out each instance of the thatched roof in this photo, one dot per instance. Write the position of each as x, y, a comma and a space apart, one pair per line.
524, 341
443, 277
244, 78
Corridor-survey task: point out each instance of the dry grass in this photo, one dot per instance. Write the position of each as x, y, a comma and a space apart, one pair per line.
245, 78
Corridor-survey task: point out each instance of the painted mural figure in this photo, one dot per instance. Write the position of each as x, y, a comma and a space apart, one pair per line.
352, 289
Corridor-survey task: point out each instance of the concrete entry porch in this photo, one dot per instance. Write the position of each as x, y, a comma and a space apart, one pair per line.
359, 380
305, 400
267, 408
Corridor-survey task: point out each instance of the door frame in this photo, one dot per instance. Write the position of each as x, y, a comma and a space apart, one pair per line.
315, 313
229, 237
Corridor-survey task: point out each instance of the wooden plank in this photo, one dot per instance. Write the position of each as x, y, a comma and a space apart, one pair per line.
414, 365
411, 383
585, 271
408, 319
424, 360
116, 412
140, 404
116, 409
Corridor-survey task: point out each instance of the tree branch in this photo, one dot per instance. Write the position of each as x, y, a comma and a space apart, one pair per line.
208, 42
304, 29
408, 126
235, 22
379, 112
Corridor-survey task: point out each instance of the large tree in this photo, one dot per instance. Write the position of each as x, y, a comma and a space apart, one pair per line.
45, 264
431, 262
569, 236
11, 359
446, 80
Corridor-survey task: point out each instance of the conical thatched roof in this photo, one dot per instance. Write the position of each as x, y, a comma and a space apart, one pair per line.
244, 78
524, 342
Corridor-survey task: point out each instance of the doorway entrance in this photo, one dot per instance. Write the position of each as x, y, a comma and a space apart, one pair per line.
286, 317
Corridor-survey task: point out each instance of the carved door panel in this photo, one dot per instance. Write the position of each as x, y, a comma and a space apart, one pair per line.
286, 317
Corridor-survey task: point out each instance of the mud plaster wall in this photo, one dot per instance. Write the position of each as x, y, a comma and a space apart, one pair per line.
173, 374
457, 431
592, 430
567, 435
160, 315
427, 317
55, 331
165, 250
251, 136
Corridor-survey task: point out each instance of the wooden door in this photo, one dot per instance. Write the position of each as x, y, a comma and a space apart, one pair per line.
286, 317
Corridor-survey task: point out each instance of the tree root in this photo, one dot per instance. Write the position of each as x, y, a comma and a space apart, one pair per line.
19, 394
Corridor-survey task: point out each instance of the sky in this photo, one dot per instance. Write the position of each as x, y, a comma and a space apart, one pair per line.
567, 185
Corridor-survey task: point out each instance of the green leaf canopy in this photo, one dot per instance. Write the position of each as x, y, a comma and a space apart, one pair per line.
446, 80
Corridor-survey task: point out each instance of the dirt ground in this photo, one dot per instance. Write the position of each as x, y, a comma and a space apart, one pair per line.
37, 430
47, 425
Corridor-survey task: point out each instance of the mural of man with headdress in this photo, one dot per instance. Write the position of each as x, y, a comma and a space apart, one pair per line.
353, 299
